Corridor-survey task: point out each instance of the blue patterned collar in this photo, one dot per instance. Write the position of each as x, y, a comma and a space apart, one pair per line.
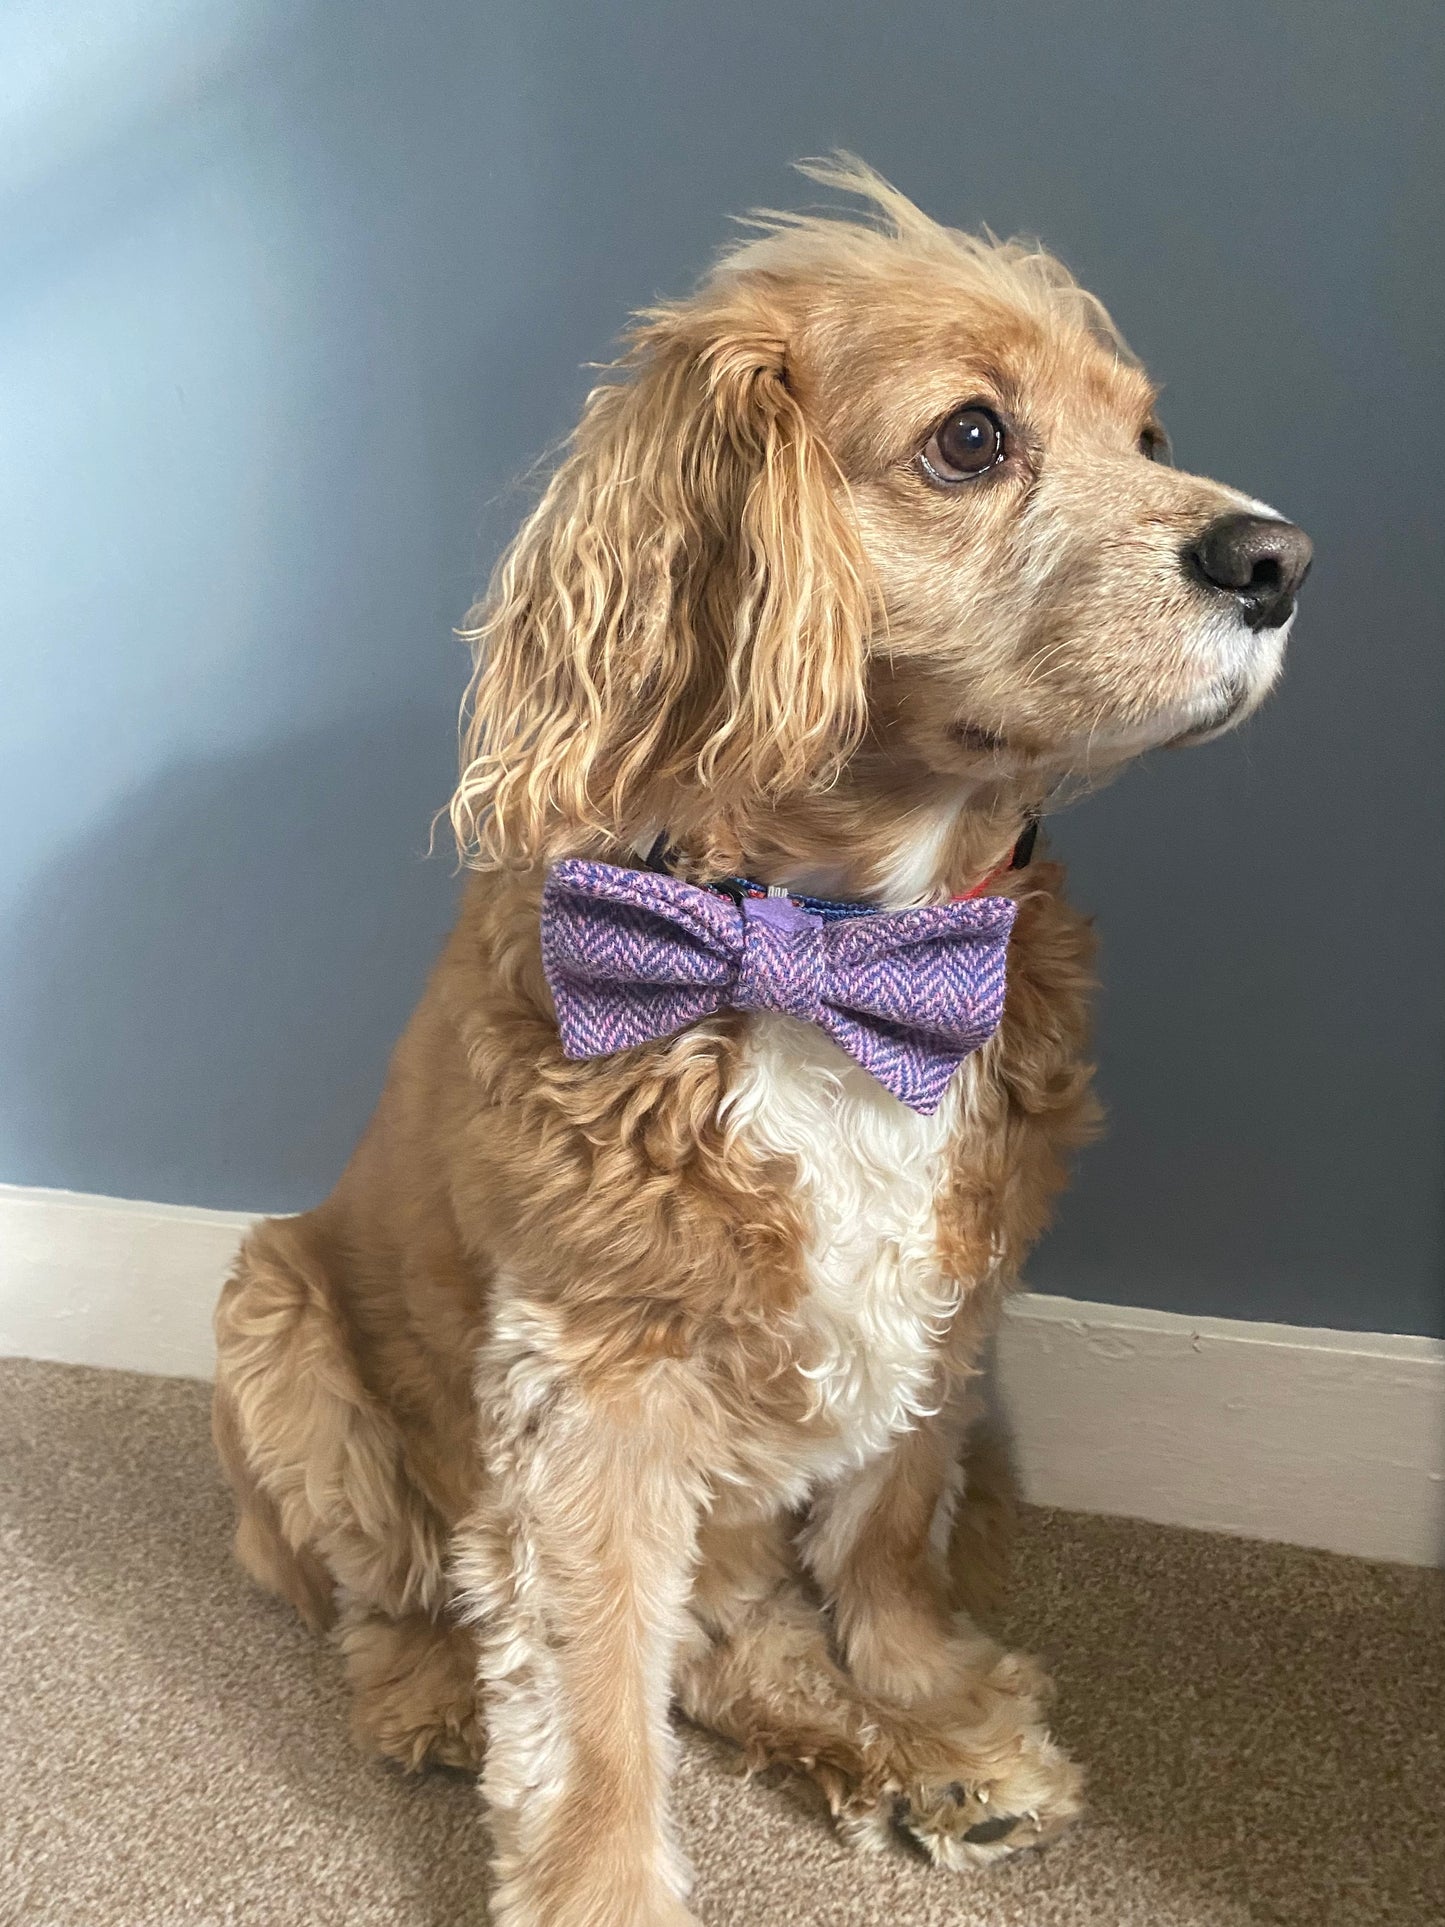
830, 909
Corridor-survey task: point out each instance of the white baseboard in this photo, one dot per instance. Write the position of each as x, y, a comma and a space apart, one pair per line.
1285, 1432
1317, 1438
102, 1281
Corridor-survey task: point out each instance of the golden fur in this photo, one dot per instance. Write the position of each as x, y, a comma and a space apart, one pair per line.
530, 1407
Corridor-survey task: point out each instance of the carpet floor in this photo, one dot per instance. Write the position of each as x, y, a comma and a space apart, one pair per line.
1264, 1727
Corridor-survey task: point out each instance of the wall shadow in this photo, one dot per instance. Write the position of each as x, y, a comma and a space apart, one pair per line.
198, 1000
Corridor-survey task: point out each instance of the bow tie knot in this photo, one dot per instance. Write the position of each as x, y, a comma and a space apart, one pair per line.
783, 962
631, 956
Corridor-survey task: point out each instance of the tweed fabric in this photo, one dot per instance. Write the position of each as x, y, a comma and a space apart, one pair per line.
632, 956
784, 962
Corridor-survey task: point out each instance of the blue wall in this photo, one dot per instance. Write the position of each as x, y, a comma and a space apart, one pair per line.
292, 295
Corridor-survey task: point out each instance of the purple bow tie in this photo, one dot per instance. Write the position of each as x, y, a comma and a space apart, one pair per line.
632, 956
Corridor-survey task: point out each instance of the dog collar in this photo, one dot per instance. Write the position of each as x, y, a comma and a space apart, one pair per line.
830, 909
1018, 858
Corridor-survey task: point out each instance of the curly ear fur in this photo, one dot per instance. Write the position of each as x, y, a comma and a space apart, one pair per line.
686, 606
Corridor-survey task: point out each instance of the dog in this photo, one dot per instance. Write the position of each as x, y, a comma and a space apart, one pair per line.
613, 1379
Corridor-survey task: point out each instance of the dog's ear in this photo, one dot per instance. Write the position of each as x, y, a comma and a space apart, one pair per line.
685, 609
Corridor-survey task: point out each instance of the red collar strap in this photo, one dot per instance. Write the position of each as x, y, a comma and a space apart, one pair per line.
1018, 858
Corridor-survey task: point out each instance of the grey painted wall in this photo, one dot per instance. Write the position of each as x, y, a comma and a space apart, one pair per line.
292, 292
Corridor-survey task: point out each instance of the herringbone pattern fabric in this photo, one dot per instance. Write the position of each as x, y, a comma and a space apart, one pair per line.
632, 956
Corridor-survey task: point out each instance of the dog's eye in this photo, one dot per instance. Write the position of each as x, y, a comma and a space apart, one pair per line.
1154, 444
967, 444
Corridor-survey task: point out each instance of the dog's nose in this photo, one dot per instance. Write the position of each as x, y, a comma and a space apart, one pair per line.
1261, 562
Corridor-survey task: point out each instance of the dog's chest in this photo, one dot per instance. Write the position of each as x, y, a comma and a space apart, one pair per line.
877, 1306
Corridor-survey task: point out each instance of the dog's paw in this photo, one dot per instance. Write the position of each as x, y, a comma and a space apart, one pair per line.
972, 1779
1012, 1807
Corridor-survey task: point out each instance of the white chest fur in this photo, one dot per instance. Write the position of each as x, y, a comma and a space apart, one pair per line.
877, 1304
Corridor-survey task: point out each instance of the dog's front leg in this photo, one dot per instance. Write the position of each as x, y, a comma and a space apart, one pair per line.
877, 1545
575, 1567
873, 1545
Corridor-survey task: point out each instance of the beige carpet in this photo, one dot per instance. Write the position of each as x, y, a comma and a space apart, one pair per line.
1264, 1727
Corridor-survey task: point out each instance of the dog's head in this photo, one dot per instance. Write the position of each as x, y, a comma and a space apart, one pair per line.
880, 498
